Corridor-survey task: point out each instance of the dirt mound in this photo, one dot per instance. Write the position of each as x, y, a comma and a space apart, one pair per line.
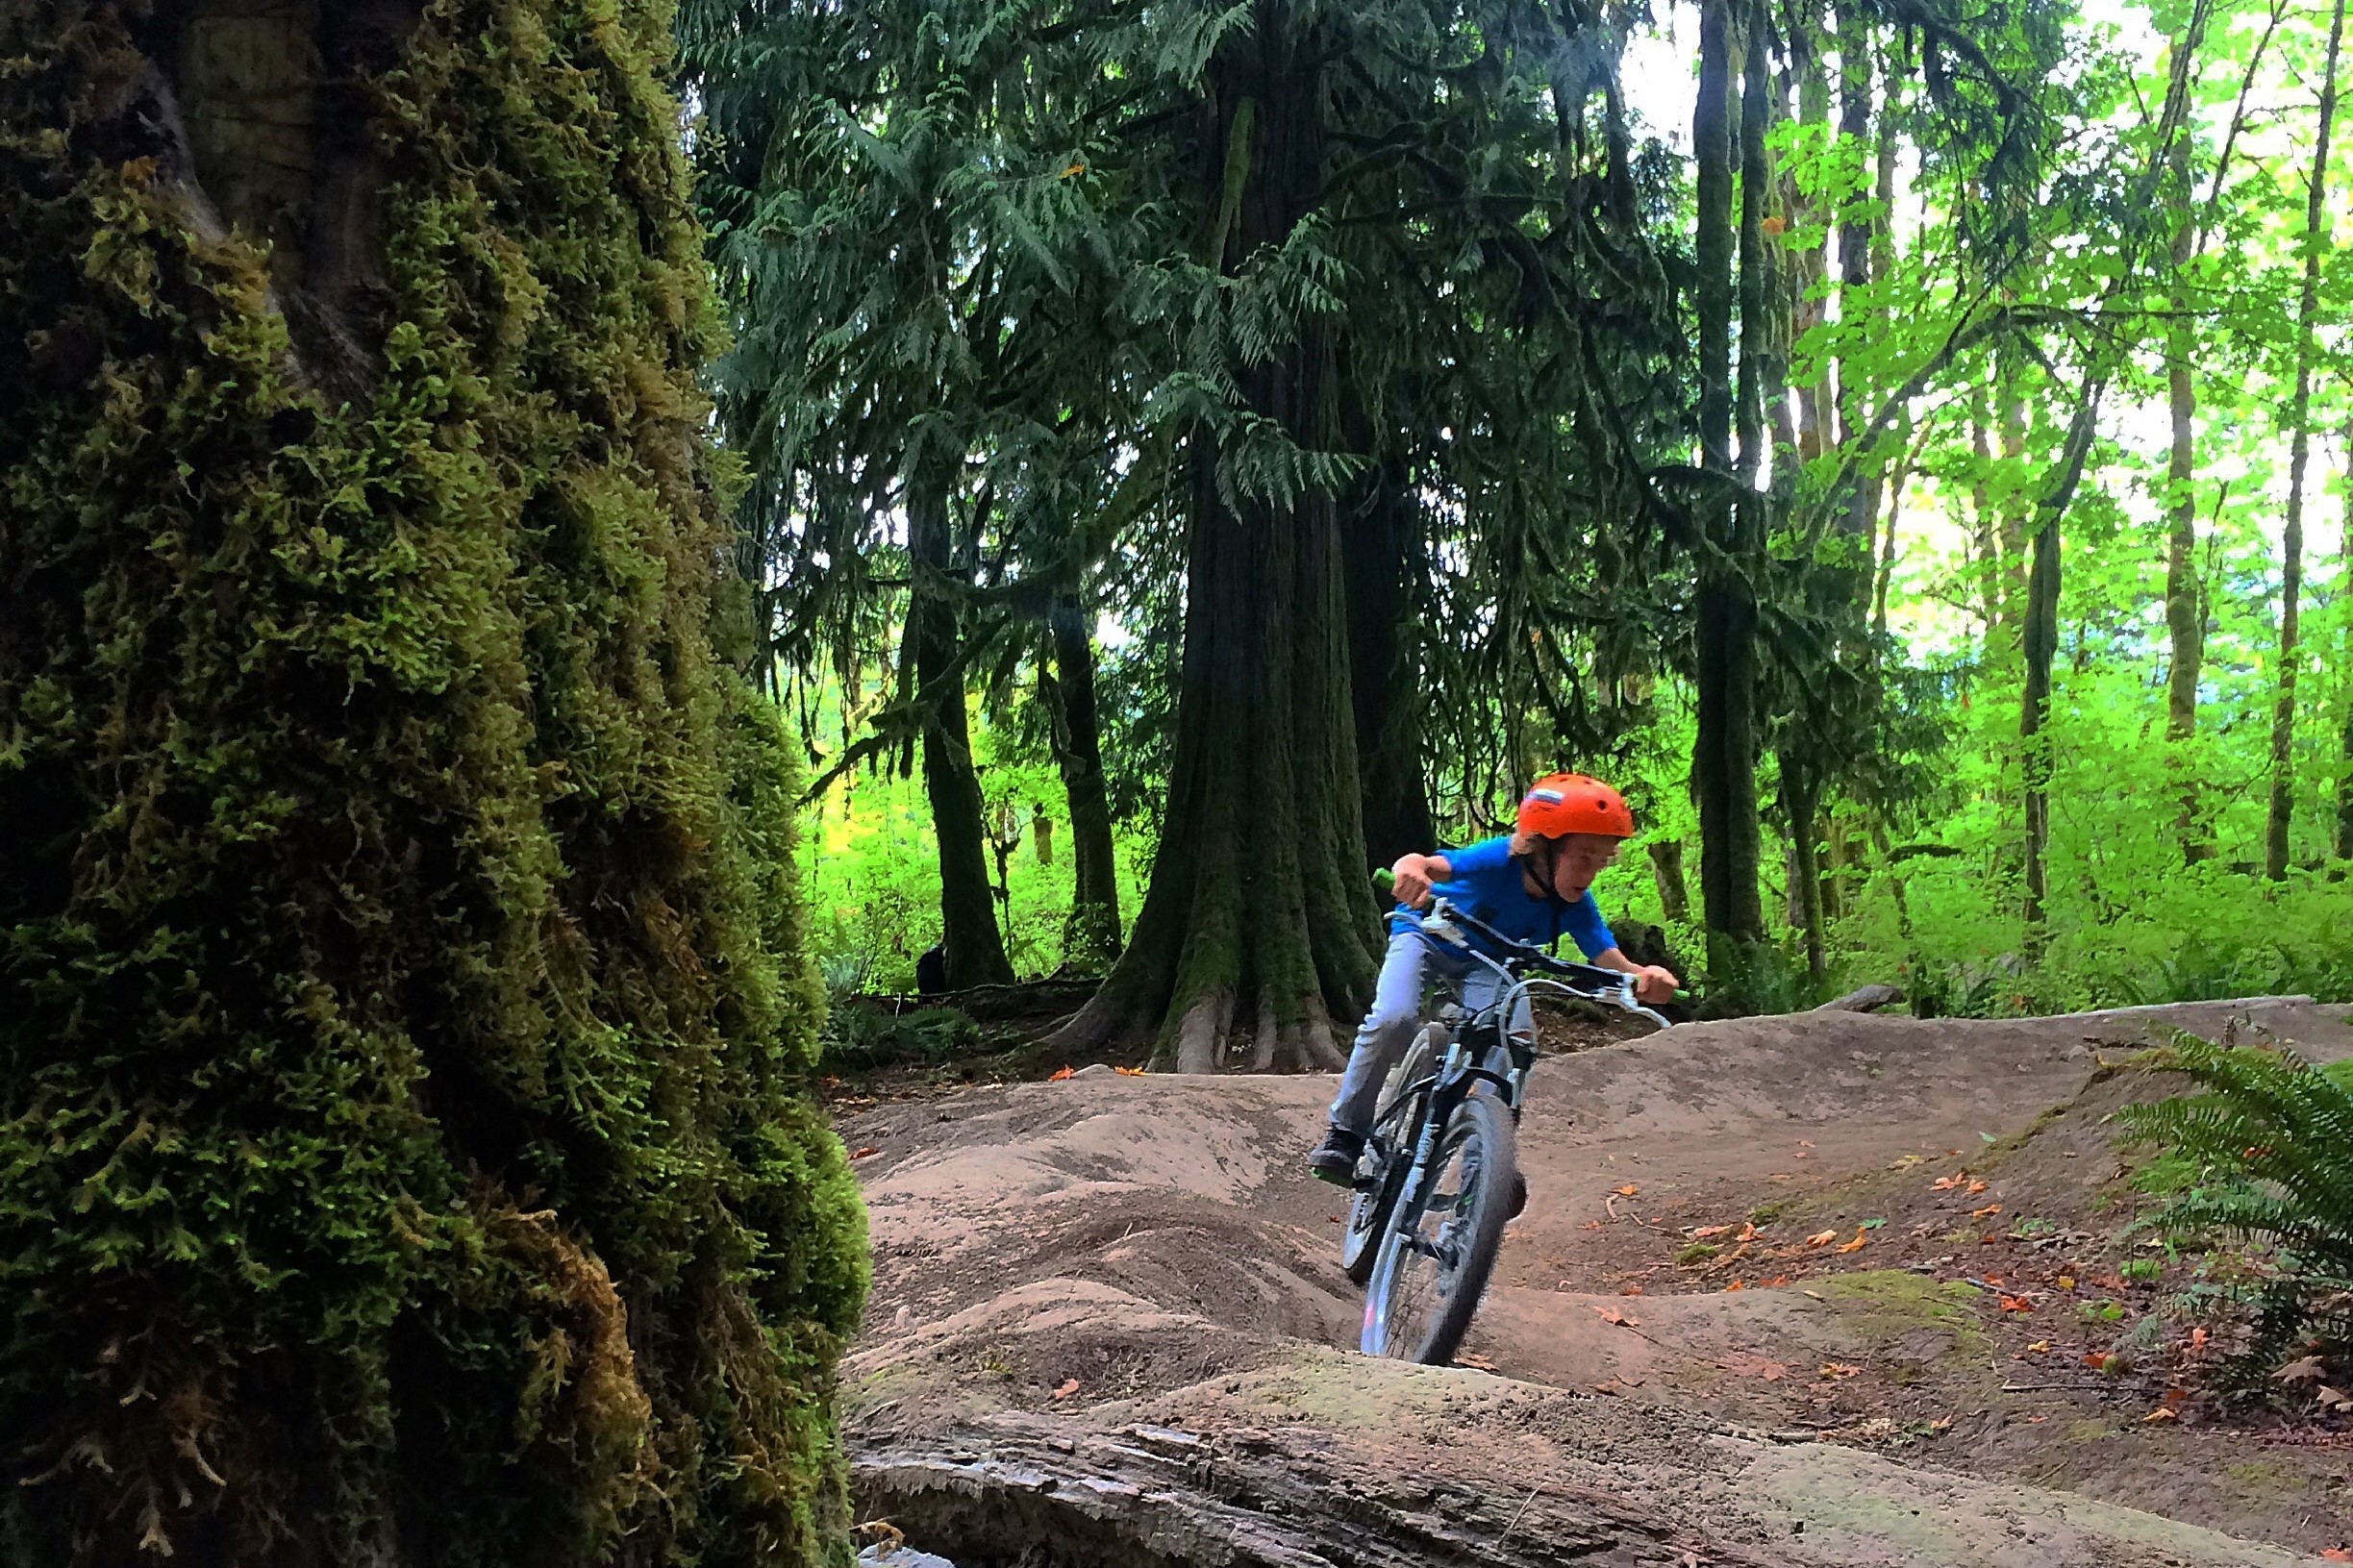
1056, 1262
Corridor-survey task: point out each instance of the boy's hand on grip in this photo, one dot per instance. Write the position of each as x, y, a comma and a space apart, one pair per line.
1654, 983
1409, 881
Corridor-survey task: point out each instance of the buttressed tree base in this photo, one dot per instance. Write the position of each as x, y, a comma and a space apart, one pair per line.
400, 1162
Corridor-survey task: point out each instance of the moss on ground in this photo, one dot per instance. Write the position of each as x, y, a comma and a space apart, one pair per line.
400, 1158
1882, 1306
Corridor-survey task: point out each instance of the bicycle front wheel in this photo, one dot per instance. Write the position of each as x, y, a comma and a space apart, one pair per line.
1382, 1171
1442, 1246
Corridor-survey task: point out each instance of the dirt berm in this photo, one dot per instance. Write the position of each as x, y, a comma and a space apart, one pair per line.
1820, 1289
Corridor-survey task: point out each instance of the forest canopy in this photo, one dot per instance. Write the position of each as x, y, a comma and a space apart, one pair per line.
1904, 445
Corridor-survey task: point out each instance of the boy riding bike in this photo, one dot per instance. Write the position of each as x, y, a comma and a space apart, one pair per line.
1531, 885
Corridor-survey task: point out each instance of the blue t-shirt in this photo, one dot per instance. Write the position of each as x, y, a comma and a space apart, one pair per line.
1488, 886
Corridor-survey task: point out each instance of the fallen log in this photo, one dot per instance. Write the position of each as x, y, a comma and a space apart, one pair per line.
1864, 999
1014, 1490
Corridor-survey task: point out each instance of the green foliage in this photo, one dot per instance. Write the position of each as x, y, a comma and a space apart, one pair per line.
2267, 1150
399, 1132
872, 877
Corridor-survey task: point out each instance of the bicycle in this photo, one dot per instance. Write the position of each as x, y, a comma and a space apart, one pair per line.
1432, 1190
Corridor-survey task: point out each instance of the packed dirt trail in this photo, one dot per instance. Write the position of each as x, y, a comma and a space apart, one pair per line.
1818, 1289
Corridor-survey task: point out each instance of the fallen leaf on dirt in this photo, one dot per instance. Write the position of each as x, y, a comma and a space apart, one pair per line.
1856, 1245
2177, 1397
1705, 1231
1628, 1190
1068, 1389
1592, 1225
2306, 1370
2016, 1304
2066, 1281
1981, 1213
1610, 1315
1129, 1072
2163, 1413
2336, 1553
861, 1154
1821, 1239
2100, 1360
1749, 1233
1737, 1284
2197, 1339
2334, 1399
1630, 1290
1754, 1366
2040, 1345
1840, 1369
1777, 1280
1334, 1219
1976, 1187
1946, 1184
1058, 1077
1479, 1362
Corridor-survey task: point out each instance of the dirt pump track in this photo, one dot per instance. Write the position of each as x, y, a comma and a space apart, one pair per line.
1110, 1326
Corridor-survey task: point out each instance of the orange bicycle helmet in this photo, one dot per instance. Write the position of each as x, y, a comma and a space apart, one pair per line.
1566, 803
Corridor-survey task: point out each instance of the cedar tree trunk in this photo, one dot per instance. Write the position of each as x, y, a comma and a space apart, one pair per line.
1380, 549
399, 1162
1259, 913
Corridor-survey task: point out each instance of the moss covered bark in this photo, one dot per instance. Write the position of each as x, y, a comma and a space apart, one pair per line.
399, 1162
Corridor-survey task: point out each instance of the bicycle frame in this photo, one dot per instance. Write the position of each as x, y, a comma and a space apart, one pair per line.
1431, 1100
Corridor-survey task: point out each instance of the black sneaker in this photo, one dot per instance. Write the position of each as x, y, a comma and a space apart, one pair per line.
1334, 1159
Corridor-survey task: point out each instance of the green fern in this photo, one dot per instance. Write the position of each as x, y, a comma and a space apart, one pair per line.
2268, 1147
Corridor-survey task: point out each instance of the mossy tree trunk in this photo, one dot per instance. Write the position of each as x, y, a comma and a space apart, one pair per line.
1090, 935
1723, 763
399, 1156
1259, 913
1381, 552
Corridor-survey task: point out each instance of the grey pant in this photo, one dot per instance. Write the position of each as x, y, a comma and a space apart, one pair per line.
1395, 1015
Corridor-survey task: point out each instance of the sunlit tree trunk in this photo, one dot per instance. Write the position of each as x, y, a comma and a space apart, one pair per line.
2344, 662
2185, 610
2038, 636
1666, 871
1801, 802
1091, 933
2292, 543
1817, 424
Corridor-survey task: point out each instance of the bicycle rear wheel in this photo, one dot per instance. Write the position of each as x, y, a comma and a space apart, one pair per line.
1379, 1176
1439, 1250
